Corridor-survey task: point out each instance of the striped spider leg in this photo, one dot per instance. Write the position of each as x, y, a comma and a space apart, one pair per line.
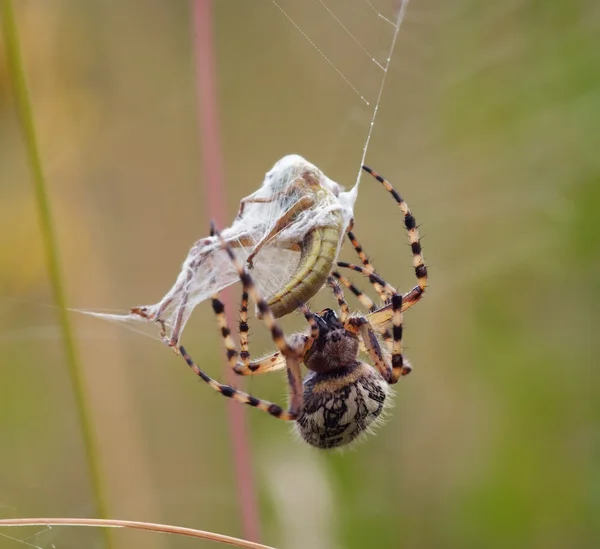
291, 351
382, 317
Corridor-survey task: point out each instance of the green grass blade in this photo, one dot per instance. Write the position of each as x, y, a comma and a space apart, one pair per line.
21, 95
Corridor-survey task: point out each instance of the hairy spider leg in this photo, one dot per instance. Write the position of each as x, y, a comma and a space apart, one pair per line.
292, 355
270, 363
400, 367
384, 313
368, 340
312, 323
339, 295
368, 304
413, 232
244, 331
381, 286
276, 361
363, 298
240, 396
371, 345
381, 318
383, 291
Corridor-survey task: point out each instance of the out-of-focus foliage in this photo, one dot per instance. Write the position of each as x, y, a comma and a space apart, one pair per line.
489, 127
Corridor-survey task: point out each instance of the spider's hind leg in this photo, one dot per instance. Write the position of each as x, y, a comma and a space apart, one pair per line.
363, 298
232, 355
291, 353
235, 394
339, 295
400, 366
274, 361
383, 289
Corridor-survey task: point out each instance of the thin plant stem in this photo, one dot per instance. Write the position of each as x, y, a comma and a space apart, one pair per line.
208, 123
135, 525
23, 103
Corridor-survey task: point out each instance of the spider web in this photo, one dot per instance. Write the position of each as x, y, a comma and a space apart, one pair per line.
31, 539
207, 270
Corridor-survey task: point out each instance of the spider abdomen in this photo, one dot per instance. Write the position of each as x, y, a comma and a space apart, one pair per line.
340, 405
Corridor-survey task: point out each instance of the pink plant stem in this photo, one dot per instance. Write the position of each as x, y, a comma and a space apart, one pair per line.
213, 175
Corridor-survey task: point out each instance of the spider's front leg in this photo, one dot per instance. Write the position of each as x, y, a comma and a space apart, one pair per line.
291, 354
384, 290
275, 361
291, 361
363, 298
399, 365
240, 396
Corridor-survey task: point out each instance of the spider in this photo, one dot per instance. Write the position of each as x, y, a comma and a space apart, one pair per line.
341, 397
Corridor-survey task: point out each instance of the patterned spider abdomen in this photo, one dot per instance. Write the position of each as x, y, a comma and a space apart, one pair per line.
340, 405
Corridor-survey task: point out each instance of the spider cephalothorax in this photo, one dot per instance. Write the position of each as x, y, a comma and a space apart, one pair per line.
341, 397
335, 347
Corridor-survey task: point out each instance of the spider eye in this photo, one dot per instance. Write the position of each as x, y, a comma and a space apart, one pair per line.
322, 323
329, 319
328, 315
331, 315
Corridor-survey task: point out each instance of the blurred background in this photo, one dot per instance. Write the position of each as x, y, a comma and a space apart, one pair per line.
488, 126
